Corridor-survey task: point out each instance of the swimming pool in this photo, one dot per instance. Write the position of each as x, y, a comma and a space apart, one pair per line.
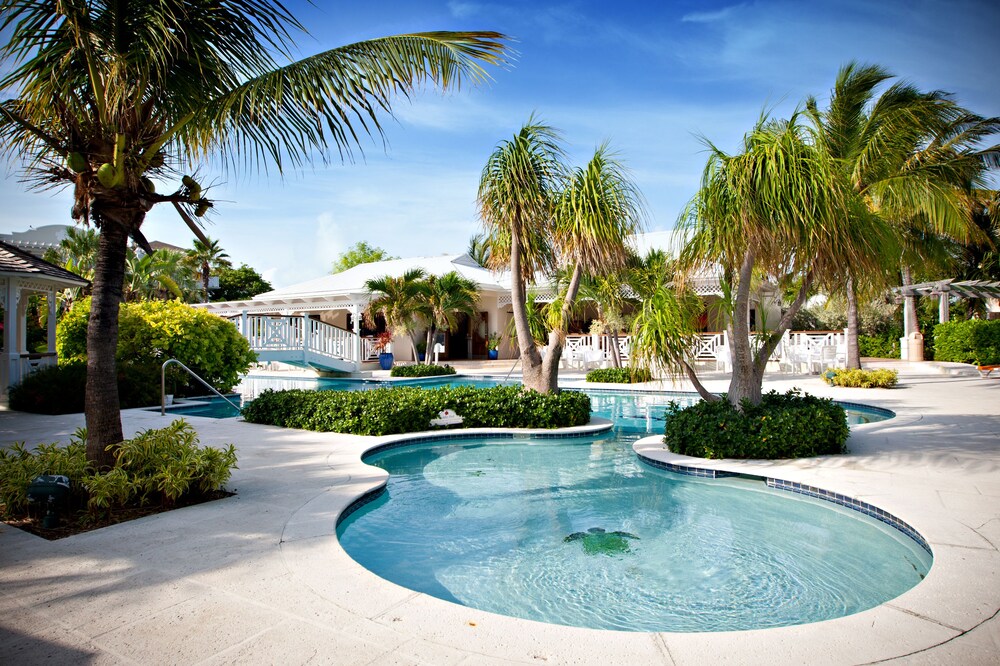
578, 531
639, 411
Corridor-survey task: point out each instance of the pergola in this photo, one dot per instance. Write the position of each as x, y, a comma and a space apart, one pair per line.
943, 290
21, 276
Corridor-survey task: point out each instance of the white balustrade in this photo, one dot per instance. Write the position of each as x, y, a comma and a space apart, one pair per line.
300, 334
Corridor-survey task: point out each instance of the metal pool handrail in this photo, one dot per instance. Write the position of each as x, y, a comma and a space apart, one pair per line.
163, 386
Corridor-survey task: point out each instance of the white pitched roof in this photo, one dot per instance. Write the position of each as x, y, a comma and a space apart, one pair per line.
353, 279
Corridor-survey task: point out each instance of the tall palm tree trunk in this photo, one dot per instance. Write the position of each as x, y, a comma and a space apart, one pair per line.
853, 352
745, 385
531, 360
104, 426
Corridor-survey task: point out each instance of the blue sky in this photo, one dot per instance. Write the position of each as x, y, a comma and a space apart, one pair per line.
649, 77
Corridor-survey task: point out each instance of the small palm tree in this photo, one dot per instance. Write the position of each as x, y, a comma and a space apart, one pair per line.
164, 275
398, 300
106, 97
207, 256
539, 217
779, 208
444, 299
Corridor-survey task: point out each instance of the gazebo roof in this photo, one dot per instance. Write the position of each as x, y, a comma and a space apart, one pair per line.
18, 263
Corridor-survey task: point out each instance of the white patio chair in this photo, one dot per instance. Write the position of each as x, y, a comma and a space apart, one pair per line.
823, 358
724, 358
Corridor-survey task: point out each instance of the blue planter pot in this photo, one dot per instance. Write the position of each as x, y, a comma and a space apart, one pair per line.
493, 354
385, 361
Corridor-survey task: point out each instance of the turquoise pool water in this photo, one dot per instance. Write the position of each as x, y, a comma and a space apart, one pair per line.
578, 531
632, 411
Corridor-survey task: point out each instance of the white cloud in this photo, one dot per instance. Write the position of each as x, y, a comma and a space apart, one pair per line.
712, 17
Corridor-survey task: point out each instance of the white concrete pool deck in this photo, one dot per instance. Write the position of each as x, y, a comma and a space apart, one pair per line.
260, 577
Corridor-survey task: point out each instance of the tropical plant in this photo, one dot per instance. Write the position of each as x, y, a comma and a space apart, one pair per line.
539, 217
443, 299
151, 332
238, 284
164, 274
781, 208
359, 253
107, 97
908, 156
206, 257
399, 300
493, 341
479, 249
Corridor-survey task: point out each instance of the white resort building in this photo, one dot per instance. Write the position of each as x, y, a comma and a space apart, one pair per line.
318, 323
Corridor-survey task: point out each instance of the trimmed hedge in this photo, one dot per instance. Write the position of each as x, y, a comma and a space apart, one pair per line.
879, 378
403, 409
975, 341
789, 425
421, 370
619, 375
885, 345
61, 389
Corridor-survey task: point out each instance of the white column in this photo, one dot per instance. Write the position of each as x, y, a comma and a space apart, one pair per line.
944, 308
356, 328
243, 325
10, 337
50, 296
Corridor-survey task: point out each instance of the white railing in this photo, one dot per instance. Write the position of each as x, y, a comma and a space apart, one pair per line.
707, 346
298, 333
368, 348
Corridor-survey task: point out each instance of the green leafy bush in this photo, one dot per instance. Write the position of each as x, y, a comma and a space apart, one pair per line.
619, 375
421, 370
789, 425
975, 341
163, 465
878, 378
884, 345
150, 332
60, 389
409, 409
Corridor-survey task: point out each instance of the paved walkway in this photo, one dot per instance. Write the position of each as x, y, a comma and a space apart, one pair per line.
260, 577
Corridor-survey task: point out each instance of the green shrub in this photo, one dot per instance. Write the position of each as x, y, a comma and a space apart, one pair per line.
878, 378
975, 341
885, 345
619, 375
165, 465
789, 425
20, 466
409, 409
60, 389
421, 370
150, 332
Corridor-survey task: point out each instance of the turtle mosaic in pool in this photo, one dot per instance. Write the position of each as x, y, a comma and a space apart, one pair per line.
578, 531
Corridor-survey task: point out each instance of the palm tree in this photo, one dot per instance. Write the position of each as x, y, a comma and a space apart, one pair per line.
581, 226
479, 249
782, 208
516, 199
444, 299
206, 257
883, 147
165, 274
399, 300
105, 96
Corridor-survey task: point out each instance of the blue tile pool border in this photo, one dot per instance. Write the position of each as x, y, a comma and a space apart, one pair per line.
802, 489
854, 504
